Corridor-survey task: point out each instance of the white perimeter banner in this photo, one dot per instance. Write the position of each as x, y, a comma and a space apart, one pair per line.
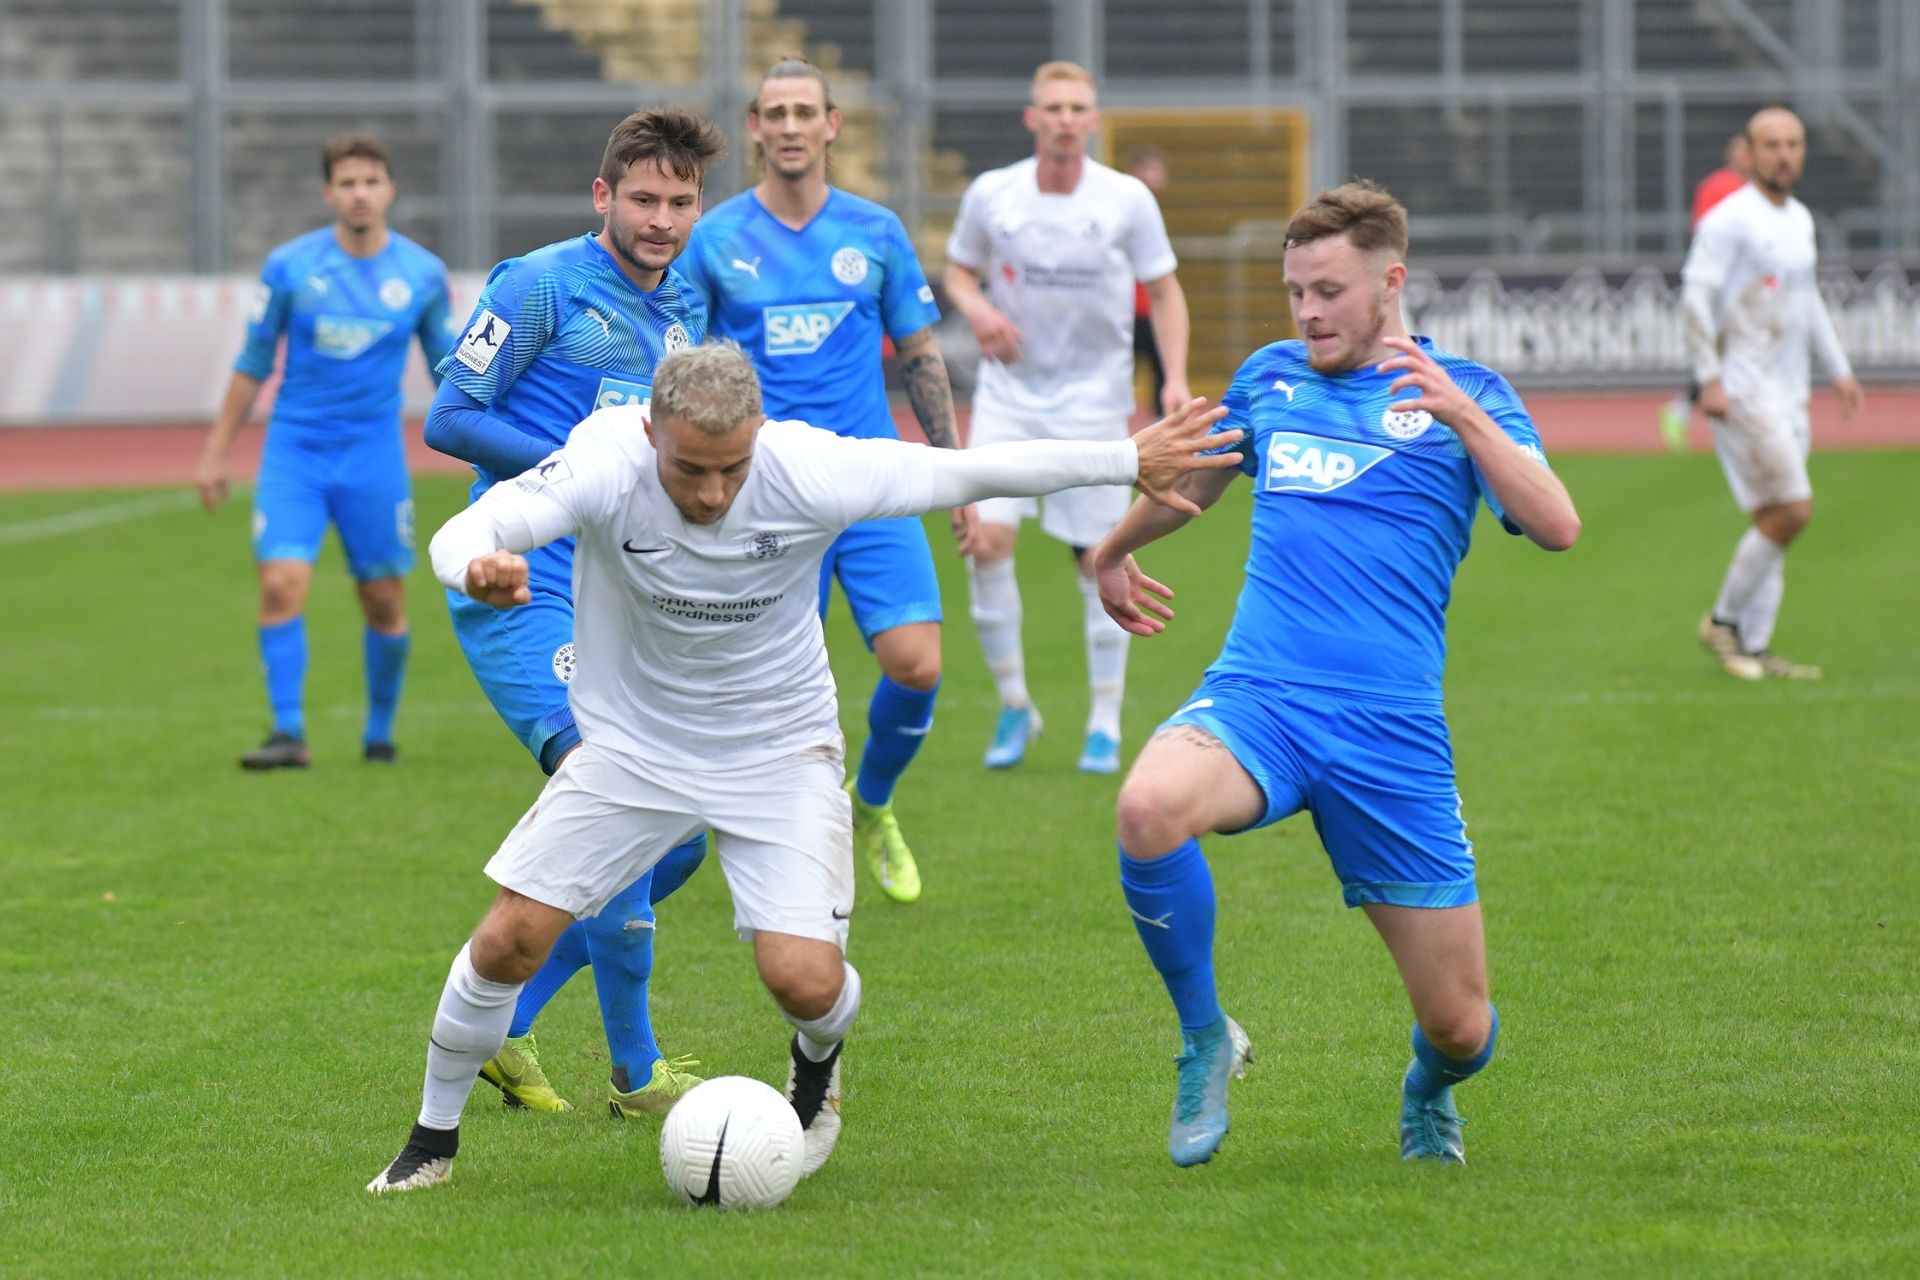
1591, 329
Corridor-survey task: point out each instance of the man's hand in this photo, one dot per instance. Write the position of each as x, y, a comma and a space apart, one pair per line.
1713, 399
1176, 445
997, 336
966, 528
210, 478
1133, 600
1851, 397
1439, 394
499, 579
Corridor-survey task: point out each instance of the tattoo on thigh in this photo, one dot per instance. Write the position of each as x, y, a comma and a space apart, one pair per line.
1191, 734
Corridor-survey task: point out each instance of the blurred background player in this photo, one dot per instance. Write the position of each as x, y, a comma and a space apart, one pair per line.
1149, 164
809, 279
1735, 171
349, 298
568, 329
1062, 240
1751, 300
1326, 693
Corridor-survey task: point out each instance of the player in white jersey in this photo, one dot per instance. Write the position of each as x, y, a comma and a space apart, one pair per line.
702, 689
1062, 240
1752, 305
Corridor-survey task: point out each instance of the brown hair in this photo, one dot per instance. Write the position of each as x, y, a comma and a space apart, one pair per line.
679, 141
794, 66
352, 146
1048, 72
1362, 211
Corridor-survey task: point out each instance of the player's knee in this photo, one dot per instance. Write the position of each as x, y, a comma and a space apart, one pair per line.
385, 611
1459, 1032
805, 989
918, 669
283, 591
1148, 818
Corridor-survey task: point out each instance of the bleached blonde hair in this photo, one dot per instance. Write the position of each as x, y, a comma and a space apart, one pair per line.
712, 388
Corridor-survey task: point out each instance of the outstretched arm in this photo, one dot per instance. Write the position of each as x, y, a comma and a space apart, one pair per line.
1155, 459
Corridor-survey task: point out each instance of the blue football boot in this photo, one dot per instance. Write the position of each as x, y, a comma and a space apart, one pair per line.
1430, 1130
1101, 754
1016, 728
1211, 1057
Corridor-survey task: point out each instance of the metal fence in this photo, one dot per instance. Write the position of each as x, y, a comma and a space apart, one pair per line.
181, 134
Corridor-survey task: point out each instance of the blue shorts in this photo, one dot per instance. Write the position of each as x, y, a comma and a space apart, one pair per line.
523, 659
886, 569
362, 486
1377, 775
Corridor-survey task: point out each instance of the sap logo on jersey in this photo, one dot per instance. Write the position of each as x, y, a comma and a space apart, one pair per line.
798, 330
1314, 464
616, 391
344, 337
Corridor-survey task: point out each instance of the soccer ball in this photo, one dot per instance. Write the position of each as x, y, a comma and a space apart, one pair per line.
732, 1142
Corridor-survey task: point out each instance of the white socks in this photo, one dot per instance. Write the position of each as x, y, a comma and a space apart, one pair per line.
819, 1035
1750, 594
1106, 663
996, 616
1762, 609
469, 1028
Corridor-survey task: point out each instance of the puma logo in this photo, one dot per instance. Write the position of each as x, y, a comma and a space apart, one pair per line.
751, 268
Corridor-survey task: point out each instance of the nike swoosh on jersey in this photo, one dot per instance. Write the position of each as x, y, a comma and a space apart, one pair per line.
643, 551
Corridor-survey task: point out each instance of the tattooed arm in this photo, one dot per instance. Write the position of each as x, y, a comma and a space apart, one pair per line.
924, 371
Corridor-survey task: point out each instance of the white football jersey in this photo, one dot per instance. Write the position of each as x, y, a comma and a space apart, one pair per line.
703, 642
1062, 268
1759, 260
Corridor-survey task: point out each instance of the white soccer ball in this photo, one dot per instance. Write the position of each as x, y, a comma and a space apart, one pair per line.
732, 1142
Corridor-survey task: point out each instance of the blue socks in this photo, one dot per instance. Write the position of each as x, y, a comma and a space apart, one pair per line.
672, 871
618, 943
569, 956
897, 722
386, 668
283, 653
1171, 899
1432, 1071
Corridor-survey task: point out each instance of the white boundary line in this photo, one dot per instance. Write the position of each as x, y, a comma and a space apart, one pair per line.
95, 517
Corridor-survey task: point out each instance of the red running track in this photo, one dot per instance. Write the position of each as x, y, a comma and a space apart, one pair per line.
75, 457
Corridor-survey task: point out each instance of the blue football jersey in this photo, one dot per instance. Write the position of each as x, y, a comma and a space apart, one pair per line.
563, 332
558, 334
1361, 514
811, 306
347, 322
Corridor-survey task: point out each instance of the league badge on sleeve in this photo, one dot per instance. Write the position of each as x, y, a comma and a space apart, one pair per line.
482, 341
539, 476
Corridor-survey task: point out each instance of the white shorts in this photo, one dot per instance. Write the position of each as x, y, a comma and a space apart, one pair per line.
1078, 517
1762, 443
783, 832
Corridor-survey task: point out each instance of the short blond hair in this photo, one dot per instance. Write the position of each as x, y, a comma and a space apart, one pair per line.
1048, 72
1366, 213
712, 388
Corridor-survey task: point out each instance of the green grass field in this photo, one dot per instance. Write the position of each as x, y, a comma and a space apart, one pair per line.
1700, 898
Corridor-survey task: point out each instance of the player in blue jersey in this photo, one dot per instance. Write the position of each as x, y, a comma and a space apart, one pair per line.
348, 298
809, 280
568, 329
1369, 452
